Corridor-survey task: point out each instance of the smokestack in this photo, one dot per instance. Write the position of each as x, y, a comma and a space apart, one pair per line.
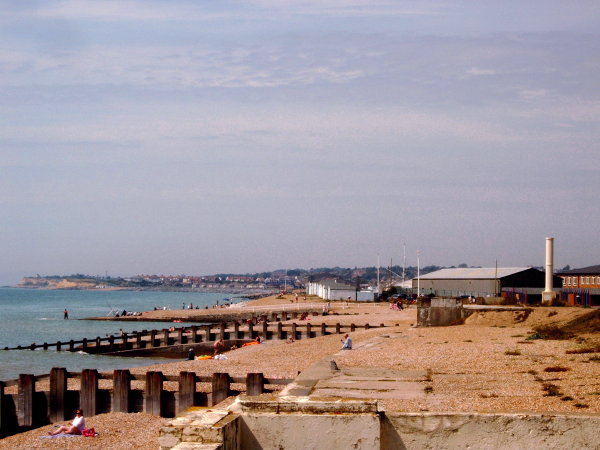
549, 296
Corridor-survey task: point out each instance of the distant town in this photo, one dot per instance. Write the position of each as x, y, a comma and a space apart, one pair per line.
364, 277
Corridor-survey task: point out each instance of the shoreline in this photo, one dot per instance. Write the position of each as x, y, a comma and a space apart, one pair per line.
239, 292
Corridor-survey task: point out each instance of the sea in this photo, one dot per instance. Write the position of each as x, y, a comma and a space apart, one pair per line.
36, 315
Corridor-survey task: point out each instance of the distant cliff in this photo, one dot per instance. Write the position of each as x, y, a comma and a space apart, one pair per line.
56, 283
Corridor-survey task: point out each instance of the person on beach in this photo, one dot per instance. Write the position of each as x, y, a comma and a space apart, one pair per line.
66, 314
191, 355
346, 343
218, 346
75, 427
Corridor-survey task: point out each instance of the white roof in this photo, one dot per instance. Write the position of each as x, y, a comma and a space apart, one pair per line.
481, 273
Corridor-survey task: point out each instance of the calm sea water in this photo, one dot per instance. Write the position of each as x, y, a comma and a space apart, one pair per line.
28, 316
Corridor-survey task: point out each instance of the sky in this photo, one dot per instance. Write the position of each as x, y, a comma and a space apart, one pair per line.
201, 137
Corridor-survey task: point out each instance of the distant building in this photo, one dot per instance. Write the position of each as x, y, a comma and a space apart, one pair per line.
523, 283
581, 286
332, 289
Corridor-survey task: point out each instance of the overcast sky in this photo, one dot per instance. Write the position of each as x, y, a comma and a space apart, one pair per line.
197, 137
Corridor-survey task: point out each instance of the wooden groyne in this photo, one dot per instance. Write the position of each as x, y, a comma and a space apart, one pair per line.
29, 408
217, 315
147, 340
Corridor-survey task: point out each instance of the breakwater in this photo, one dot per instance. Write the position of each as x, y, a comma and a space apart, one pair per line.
29, 408
143, 342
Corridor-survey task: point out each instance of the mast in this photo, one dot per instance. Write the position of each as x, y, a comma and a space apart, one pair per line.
404, 264
378, 285
418, 273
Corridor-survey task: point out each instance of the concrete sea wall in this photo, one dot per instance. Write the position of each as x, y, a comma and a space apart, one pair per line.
489, 431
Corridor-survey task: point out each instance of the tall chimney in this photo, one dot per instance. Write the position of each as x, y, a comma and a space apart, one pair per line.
549, 296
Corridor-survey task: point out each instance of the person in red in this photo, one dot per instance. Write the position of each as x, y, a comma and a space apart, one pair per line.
66, 314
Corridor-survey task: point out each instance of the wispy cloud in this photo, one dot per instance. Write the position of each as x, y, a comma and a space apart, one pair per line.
159, 11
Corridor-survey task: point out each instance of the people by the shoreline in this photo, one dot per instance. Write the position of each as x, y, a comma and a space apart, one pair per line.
191, 355
346, 342
75, 427
65, 314
218, 346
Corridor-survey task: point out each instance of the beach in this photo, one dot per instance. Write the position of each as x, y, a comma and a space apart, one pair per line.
487, 364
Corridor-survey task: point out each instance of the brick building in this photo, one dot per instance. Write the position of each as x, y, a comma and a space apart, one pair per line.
581, 286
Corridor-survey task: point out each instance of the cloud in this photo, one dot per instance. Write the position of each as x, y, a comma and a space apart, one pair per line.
476, 72
158, 11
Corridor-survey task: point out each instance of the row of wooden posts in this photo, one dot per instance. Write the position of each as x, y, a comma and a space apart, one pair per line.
202, 333
28, 408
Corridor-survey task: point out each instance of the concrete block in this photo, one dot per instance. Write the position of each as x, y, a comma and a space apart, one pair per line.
167, 442
197, 446
302, 431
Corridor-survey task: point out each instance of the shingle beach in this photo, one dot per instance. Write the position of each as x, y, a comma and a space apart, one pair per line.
484, 365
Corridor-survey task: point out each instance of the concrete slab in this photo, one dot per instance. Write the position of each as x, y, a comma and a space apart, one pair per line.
363, 385
380, 374
408, 394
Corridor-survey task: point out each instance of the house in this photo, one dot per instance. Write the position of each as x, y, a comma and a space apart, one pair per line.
524, 284
581, 286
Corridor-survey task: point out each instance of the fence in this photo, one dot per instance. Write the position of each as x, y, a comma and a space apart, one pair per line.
196, 334
30, 408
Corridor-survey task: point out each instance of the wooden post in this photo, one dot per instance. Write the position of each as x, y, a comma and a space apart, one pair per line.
206, 333
138, 340
255, 384
222, 327
337, 328
98, 344
265, 332
367, 326
25, 400
274, 317
45, 346
284, 316
153, 338
71, 345
125, 336
352, 327
236, 329
323, 329
121, 390
187, 390
381, 325
251, 330
153, 393
308, 330
84, 345
32, 346
58, 345
293, 330
88, 396
220, 387
1, 408
294, 315
58, 392
279, 330
165, 337
194, 334
180, 335
111, 343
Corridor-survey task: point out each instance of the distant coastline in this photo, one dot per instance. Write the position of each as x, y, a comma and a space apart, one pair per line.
44, 283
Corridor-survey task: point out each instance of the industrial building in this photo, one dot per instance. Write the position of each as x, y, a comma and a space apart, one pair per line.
581, 286
524, 284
